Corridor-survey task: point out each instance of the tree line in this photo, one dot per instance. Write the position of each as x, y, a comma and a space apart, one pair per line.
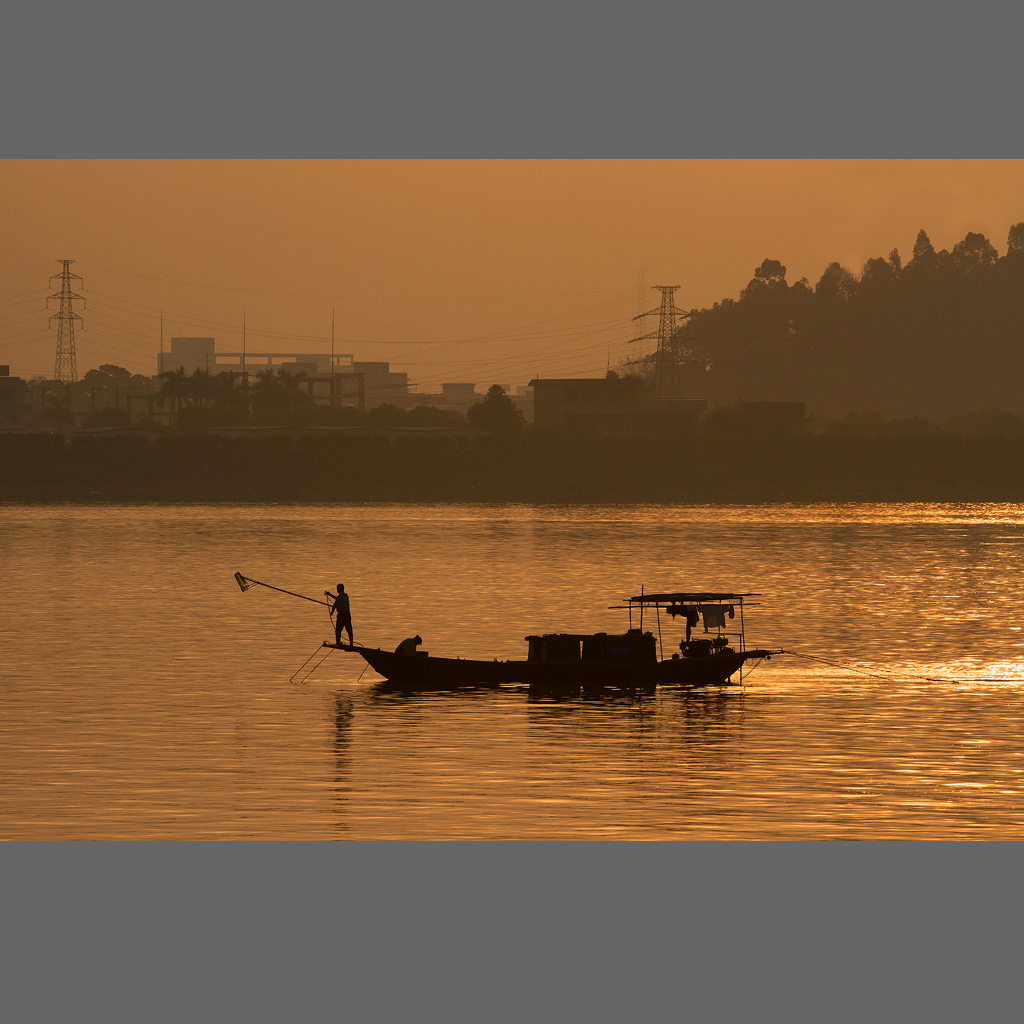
937, 337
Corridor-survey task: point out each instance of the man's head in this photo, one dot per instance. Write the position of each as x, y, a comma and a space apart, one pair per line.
341, 588
417, 639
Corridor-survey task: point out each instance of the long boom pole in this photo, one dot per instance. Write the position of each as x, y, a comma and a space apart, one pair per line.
245, 583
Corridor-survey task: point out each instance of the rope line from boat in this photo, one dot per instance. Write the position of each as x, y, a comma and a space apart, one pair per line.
839, 665
309, 659
747, 671
898, 675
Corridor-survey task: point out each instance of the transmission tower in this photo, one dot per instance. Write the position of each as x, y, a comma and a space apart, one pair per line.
65, 366
665, 383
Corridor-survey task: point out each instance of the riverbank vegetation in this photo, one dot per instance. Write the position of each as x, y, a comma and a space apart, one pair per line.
938, 336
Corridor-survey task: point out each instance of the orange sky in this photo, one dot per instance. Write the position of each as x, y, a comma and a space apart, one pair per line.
483, 271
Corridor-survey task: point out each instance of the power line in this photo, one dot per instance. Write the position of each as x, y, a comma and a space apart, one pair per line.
490, 338
125, 330
388, 299
38, 333
502, 366
553, 329
188, 321
25, 315
17, 300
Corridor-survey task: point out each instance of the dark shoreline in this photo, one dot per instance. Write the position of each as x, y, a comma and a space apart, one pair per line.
42, 469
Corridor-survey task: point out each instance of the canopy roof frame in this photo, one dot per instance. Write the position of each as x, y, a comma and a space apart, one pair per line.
691, 597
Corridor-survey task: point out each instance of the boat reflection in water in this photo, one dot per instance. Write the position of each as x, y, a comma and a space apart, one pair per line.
595, 662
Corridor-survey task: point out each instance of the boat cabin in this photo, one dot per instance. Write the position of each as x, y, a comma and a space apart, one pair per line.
631, 646
720, 612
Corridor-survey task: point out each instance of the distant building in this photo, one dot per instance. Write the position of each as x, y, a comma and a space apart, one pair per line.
457, 397
14, 404
381, 386
609, 406
523, 399
191, 354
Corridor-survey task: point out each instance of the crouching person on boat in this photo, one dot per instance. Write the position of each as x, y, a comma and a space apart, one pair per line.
409, 645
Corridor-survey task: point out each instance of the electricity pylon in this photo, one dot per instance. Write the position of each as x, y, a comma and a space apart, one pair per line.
666, 382
65, 366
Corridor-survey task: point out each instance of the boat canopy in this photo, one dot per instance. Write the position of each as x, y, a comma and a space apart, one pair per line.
687, 598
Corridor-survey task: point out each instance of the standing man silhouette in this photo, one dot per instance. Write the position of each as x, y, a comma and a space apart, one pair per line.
342, 613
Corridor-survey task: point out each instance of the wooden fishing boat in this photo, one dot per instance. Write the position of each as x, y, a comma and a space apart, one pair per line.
633, 660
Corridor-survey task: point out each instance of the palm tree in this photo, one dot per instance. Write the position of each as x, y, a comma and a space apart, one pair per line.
178, 387
223, 389
291, 385
57, 409
174, 388
202, 387
277, 396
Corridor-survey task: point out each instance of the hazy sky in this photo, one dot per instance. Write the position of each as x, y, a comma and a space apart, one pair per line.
482, 271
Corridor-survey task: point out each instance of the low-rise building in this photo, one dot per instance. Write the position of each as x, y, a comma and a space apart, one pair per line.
522, 398
381, 386
459, 397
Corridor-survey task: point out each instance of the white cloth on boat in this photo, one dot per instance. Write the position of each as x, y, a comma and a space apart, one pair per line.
714, 616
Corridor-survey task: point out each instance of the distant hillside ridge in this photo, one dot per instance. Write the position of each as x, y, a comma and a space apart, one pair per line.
941, 336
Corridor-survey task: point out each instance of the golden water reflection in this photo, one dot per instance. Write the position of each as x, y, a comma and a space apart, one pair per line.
144, 695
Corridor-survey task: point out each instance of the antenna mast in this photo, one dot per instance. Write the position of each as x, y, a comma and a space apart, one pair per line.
65, 365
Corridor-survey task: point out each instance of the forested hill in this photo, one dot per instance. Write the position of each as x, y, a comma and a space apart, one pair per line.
941, 336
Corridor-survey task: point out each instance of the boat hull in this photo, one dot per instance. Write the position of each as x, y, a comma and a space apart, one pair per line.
422, 671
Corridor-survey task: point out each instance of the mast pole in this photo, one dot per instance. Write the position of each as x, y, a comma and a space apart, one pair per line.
743, 640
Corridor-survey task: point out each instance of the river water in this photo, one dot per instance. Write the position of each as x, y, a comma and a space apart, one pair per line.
145, 696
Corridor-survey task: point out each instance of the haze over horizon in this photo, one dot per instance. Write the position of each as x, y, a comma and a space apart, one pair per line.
478, 271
